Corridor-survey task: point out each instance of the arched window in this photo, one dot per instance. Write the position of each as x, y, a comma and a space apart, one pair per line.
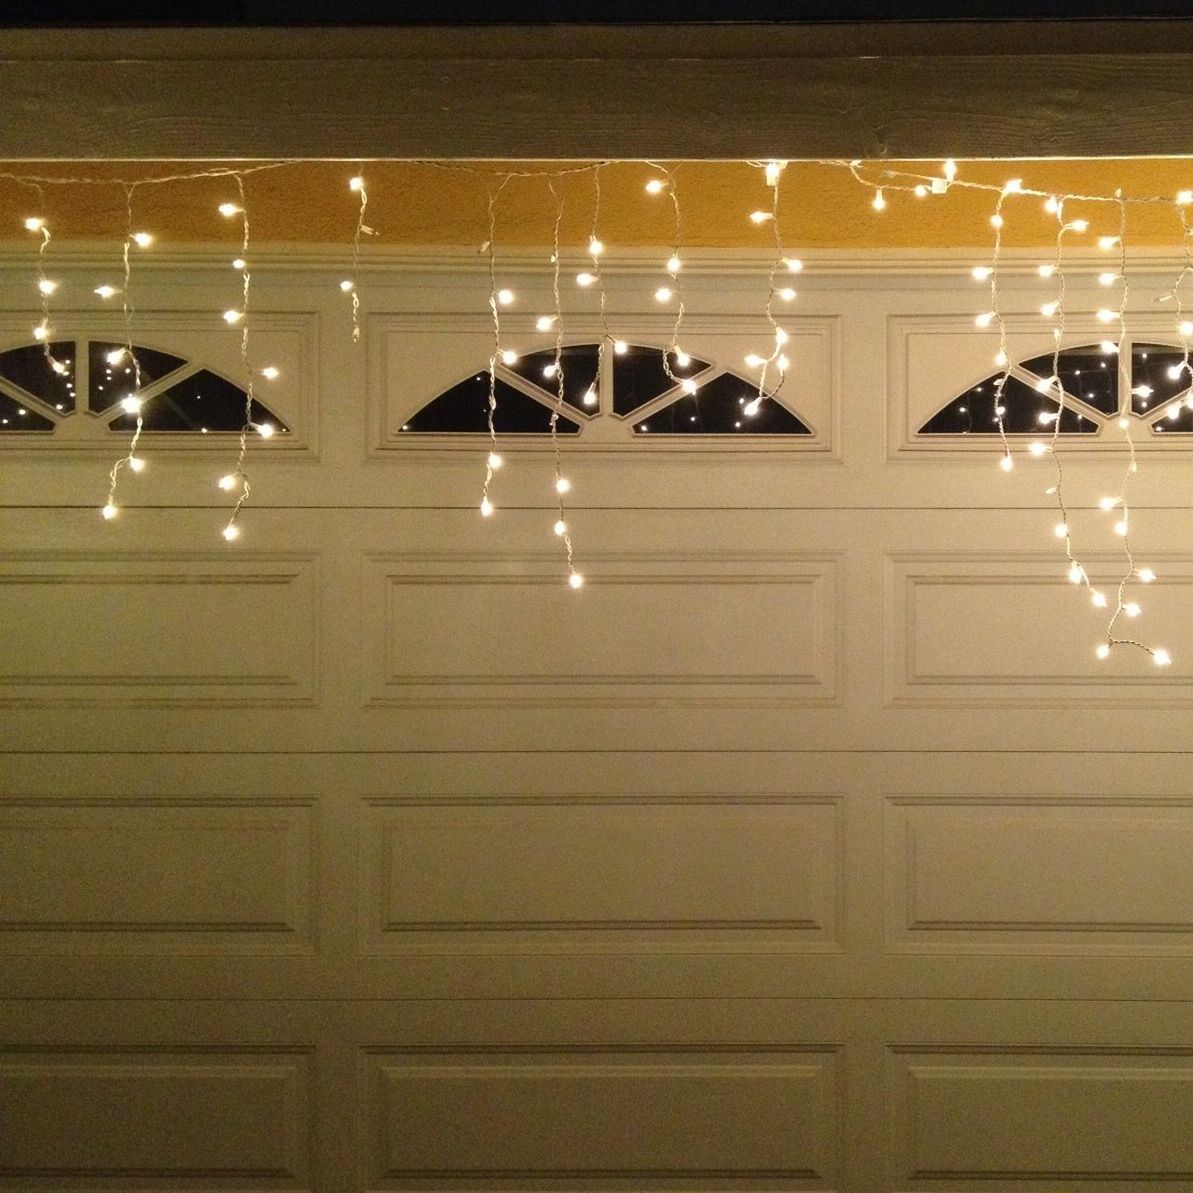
642, 394
177, 395
1152, 382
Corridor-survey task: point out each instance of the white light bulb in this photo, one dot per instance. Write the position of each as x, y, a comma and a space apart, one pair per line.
1146, 575
662, 294
1048, 309
227, 482
1161, 657
106, 291
61, 370
1132, 609
265, 430
760, 217
674, 264
1036, 448
996, 220
1107, 503
550, 370
1000, 359
241, 263
754, 361
1109, 347
495, 461
1105, 243
115, 356
231, 317
109, 512
1061, 530
782, 362
1006, 463
655, 186
688, 386
584, 280
130, 405
356, 184
486, 508
1051, 205
1184, 198
1107, 279
505, 297
1097, 598
950, 169
136, 463
1078, 225
231, 532
595, 247
620, 347
1075, 573
347, 284
228, 210
984, 319
1046, 418
590, 397
544, 323
1044, 384
682, 359
1124, 423
1103, 650
981, 272
787, 294
1174, 372
773, 170
562, 484
879, 200
794, 264
142, 239
271, 372
920, 191
1142, 391
34, 224
561, 527
46, 286
1046, 271
1120, 528
1012, 186
509, 357
41, 332
576, 580
1105, 316
751, 408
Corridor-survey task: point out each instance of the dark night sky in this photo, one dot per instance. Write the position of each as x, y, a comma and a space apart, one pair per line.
16, 13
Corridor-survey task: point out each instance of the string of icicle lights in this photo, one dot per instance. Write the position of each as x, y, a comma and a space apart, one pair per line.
771, 366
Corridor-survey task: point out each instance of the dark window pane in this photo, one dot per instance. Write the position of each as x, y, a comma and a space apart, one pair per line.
201, 402
719, 408
465, 408
579, 364
16, 417
29, 368
1087, 373
1181, 424
639, 376
973, 412
110, 382
1149, 368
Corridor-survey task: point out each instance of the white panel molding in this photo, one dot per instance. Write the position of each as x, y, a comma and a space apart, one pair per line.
160, 629
227, 1117
413, 358
770, 1117
477, 630
1044, 1118
164, 876
997, 630
1040, 875
693, 874
290, 340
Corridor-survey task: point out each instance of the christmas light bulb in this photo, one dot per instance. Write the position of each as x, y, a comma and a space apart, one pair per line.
562, 484
1046, 271
595, 247
561, 527
271, 372
505, 297
109, 512
231, 317
228, 210
509, 357
1006, 463
1097, 598
620, 347
1161, 657
576, 580
142, 239
356, 184
106, 291
786, 294
673, 265
486, 508
347, 285
227, 482
584, 280
794, 264
231, 532
984, 319
1107, 279
760, 217
879, 200
655, 186
981, 272
662, 294
1106, 243
265, 430
47, 287
241, 263
590, 397
34, 224
115, 356
136, 463
544, 323
1132, 609
495, 461
130, 405
1103, 650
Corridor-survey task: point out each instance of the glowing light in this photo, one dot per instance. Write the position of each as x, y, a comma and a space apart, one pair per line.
265, 430
227, 483
228, 210
241, 263
130, 405
760, 217
576, 580
1107, 503
560, 528
620, 347
682, 359
950, 169
495, 461
509, 357
136, 463
1132, 609
984, 319
1107, 279
115, 356
655, 186
47, 287
1106, 243
231, 317
109, 512
486, 508
794, 264
786, 294
921, 190
1109, 347
270, 373
1051, 205
1046, 271
1146, 575
356, 184
1061, 530
878, 202
1048, 309
595, 247
688, 385
996, 220
1077, 226
1105, 316
505, 297
142, 239
562, 484
674, 264
544, 323
590, 397
584, 280
1006, 463
106, 291
1103, 650
662, 294
1120, 528
231, 532
1161, 657
1036, 448
34, 224
981, 272
1097, 598
347, 285
1075, 573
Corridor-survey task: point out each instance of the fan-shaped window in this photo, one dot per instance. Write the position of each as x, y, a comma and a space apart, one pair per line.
643, 393
176, 395
1154, 386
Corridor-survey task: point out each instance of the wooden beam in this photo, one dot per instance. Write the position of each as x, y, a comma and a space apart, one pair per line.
557, 92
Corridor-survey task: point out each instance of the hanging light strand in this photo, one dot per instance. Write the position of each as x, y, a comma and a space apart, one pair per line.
239, 477
562, 484
357, 185
43, 332
493, 459
673, 289
595, 248
1002, 358
131, 403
